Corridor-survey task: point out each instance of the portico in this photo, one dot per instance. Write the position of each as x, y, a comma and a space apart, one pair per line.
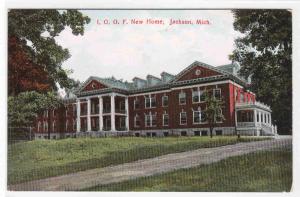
255, 117
104, 112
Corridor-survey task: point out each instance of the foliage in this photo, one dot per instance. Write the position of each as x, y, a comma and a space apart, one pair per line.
268, 171
213, 111
37, 30
23, 108
265, 53
40, 159
23, 73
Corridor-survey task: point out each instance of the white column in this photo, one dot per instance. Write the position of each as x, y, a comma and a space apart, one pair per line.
100, 113
235, 118
112, 112
78, 115
255, 116
127, 114
89, 114
259, 117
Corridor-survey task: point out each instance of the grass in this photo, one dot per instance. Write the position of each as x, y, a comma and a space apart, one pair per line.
46, 158
268, 171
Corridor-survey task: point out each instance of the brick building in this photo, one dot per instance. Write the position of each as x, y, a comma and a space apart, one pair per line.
169, 105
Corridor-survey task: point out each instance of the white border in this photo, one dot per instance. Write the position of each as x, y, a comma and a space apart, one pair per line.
295, 5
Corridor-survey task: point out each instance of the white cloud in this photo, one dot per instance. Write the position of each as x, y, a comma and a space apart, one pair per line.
126, 51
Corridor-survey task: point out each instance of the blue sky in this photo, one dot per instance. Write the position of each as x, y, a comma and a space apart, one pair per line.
126, 51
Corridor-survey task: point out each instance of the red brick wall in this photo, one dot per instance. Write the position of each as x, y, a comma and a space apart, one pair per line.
174, 109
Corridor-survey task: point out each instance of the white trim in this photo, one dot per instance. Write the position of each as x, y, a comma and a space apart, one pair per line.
207, 84
149, 93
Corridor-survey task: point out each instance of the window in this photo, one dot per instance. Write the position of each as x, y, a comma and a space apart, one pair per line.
165, 101
67, 122
147, 120
166, 133
219, 132
150, 102
137, 134
74, 109
74, 124
196, 133
202, 95
137, 121
183, 133
39, 126
182, 98
153, 102
150, 120
148, 134
218, 116
199, 116
196, 96
54, 126
217, 93
183, 118
241, 97
203, 116
203, 133
136, 103
196, 117
153, 122
45, 126
165, 119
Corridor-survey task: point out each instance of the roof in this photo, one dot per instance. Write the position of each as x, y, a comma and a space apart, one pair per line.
228, 71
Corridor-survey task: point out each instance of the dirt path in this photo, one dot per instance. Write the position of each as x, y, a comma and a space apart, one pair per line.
147, 167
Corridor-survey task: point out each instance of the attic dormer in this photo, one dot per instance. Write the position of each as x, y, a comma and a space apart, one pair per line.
166, 77
152, 80
139, 83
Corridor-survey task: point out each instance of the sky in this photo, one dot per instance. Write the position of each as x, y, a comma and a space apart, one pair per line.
126, 51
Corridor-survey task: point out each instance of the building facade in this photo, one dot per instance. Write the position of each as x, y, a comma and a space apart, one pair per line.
159, 106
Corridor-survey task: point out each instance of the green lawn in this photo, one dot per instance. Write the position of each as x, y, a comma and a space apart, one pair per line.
45, 158
269, 171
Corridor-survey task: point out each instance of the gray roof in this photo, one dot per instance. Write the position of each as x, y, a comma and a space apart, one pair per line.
227, 71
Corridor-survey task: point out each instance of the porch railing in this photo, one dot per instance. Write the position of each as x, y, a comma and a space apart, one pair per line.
245, 124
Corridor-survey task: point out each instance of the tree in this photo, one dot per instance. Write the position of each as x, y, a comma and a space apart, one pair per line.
36, 31
23, 74
213, 111
265, 53
24, 108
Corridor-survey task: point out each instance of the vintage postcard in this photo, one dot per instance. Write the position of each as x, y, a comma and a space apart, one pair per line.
149, 100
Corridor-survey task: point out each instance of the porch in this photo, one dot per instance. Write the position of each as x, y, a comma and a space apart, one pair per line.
108, 112
254, 118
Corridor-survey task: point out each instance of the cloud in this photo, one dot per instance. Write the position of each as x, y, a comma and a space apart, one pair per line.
126, 51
